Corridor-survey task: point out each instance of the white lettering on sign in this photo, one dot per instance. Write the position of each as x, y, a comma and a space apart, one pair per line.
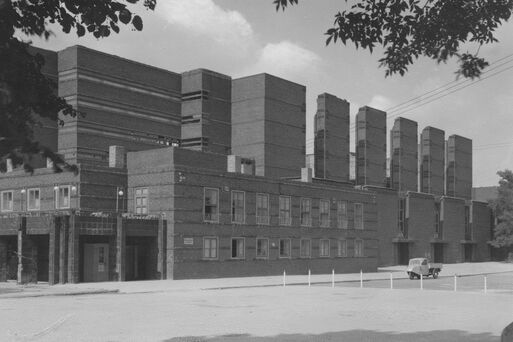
188, 241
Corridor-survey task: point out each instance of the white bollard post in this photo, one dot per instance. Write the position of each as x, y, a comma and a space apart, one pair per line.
332, 278
284, 275
361, 279
455, 283
309, 276
485, 285
391, 281
421, 279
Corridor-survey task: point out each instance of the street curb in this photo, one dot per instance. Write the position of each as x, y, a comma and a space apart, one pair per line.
55, 294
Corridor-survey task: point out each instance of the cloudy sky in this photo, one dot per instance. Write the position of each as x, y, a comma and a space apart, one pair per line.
243, 37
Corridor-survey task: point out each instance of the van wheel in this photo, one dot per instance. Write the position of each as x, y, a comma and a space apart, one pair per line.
435, 275
412, 275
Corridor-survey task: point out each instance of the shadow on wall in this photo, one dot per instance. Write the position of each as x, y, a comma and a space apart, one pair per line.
352, 335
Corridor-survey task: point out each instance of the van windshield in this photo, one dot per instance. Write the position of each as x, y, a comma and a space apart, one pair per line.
414, 262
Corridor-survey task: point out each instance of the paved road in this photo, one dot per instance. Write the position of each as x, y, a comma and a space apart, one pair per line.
495, 283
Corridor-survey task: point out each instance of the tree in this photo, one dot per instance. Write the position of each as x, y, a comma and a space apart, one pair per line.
408, 29
503, 208
26, 95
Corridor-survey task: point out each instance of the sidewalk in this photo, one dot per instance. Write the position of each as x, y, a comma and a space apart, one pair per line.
12, 290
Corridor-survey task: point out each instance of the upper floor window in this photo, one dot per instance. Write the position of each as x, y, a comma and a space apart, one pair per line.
358, 248
211, 205
238, 214
342, 248
401, 219
324, 213
358, 216
7, 201
262, 209
342, 214
306, 209
285, 248
62, 197
285, 211
262, 248
33, 199
141, 201
468, 223
324, 248
210, 248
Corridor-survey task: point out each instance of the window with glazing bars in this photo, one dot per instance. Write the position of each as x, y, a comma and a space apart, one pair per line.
306, 209
285, 212
358, 216
262, 209
324, 213
141, 201
211, 205
342, 214
238, 207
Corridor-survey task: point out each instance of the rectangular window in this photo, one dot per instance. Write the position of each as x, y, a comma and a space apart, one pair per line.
342, 248
306, 208
7, 201
62, 197
141, 201
33, 199
262, 248
262, 209
438, 231
238, 248
401, 219
210, 248
285, 212
342, 214
468, 224
284, 248
324, 213
238, 207
358, 248
211, 205
305, 248
324, 248
358, 216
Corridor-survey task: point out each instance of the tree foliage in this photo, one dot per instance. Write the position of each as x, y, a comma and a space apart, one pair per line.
503, 208
408, 29
26, 95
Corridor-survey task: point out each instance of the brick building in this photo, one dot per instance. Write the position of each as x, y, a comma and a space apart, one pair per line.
331, 140
235, 198
371, 147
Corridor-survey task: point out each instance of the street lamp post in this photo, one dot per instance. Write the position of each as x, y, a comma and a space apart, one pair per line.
119, 193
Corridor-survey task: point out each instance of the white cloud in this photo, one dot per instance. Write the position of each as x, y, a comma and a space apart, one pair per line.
206, 19
380, 102
288, 60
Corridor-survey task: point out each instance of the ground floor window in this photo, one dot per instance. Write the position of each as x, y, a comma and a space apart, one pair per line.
262, 248
358, 248
238, 248
342, 248
305, 248
324, 248
210, 248
285, 248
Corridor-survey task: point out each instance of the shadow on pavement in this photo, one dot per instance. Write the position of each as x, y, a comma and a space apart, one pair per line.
352, 335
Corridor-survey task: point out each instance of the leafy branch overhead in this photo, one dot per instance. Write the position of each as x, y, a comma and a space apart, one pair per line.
27, 96
409, 29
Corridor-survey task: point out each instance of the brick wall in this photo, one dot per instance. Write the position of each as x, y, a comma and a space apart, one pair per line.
420, 214
453, 215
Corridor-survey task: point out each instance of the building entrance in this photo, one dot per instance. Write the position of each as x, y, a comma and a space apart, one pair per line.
403, 254
438, 252
467, 253
96, 262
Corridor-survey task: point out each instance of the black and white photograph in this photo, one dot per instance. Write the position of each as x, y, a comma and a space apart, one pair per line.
256, 170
